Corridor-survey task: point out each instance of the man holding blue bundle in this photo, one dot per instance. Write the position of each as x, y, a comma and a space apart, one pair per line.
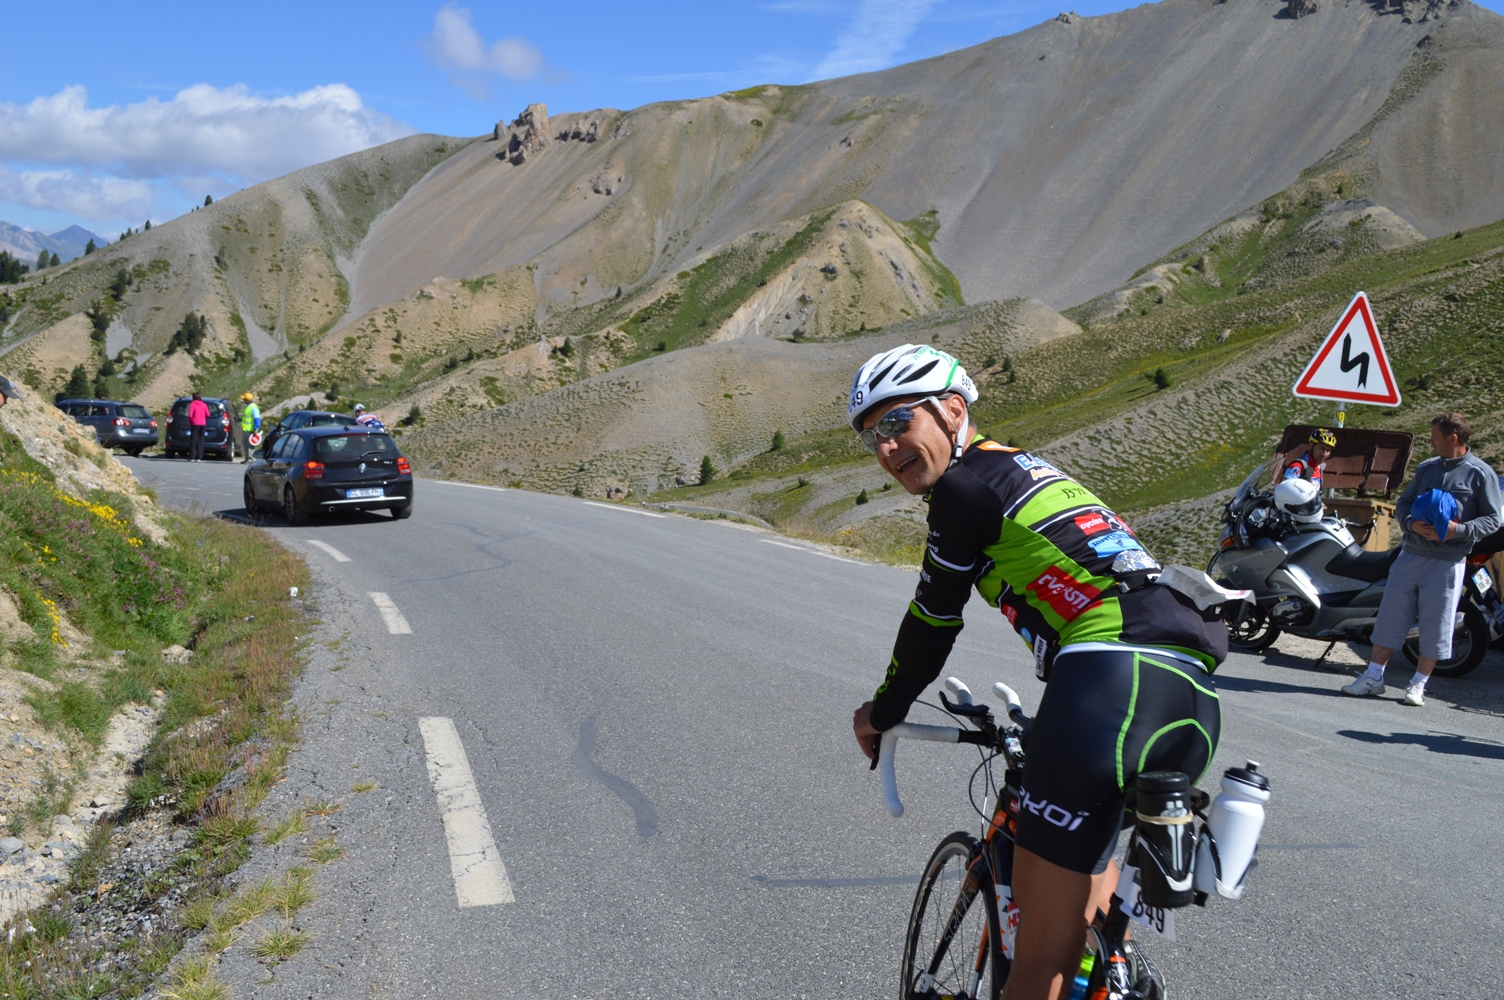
1452, 502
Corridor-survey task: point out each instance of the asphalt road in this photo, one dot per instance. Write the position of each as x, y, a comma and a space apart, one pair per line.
655, 712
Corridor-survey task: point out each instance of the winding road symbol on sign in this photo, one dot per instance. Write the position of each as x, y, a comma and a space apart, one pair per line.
1343, 374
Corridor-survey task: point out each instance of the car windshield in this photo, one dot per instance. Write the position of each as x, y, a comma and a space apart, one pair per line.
330, 420
135, 412
353, 447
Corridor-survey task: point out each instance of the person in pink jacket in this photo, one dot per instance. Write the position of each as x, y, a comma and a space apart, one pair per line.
198, 420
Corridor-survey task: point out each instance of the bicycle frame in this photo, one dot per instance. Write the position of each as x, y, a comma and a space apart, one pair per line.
1105, 968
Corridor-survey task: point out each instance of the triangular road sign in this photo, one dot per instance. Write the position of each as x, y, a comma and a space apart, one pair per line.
1351, 365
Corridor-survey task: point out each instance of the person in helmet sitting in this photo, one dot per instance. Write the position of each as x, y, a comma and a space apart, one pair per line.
1309, 461
1127, 663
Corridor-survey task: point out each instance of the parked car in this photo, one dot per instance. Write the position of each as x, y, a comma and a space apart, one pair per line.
117, 425
302, 418
217, 437
316, 469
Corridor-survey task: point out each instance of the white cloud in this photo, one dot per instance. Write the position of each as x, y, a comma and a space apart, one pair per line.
81, 196
880, 31
457, 47
226, 131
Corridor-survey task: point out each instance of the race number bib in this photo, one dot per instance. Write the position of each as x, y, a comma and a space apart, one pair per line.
1157, 919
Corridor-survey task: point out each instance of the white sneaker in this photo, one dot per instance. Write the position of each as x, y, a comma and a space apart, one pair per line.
1364, 687
1415, 695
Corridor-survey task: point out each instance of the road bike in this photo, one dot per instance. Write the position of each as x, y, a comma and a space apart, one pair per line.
960, 939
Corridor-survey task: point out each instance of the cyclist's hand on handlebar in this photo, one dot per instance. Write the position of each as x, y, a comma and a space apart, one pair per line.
861, 725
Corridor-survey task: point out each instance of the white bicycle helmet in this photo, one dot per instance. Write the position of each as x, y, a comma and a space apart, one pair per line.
906, 370
1299, 498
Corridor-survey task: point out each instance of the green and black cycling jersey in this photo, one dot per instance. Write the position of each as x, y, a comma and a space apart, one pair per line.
1042, 549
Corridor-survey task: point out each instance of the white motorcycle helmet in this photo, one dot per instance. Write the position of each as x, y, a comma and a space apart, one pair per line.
1300, 499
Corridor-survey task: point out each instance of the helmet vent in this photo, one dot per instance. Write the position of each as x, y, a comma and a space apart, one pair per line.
919, 373
878, 378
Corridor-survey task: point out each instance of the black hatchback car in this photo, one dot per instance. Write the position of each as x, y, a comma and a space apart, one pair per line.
330, 468
118, 425
217, 437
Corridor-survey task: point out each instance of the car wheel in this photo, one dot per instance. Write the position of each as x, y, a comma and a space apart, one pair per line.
251, 506
169, 453
296, 516
402, 513
134, 452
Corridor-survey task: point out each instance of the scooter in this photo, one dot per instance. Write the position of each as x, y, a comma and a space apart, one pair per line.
1315, 581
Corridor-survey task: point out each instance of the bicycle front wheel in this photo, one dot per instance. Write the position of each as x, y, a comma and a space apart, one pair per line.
953, 947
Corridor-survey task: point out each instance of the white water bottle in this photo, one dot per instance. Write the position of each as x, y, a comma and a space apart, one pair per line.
1231, 835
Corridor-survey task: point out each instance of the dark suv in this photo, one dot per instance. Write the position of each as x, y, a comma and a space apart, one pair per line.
217, 437
118, 425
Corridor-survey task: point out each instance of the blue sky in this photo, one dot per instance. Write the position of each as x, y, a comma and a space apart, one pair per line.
111, 113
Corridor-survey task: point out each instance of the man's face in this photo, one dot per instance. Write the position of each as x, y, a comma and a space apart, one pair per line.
920, 455
1445, 445
1320, 453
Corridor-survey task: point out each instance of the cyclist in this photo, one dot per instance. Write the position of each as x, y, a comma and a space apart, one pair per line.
1309, 462
369, 420
1127, 663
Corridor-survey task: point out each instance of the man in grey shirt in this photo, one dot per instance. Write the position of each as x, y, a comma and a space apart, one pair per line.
1426, 579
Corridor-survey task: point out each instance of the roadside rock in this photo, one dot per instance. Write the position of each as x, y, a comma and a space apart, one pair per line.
77, 461
529, 134
177, 655
1301, 8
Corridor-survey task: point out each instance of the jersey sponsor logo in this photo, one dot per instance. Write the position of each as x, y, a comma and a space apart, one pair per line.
1092, 523
1111, 545
1065, 595
1041, 655
1011, 613
1039, 474
993, 446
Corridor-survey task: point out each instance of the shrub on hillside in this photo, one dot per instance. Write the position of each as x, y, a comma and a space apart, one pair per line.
707, 470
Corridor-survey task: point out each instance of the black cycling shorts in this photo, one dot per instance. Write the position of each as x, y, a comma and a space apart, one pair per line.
1108, 714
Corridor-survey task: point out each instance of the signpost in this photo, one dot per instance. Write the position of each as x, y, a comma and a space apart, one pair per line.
1350, 366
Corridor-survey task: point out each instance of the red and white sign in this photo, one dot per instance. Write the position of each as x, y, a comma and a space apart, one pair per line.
1351, 365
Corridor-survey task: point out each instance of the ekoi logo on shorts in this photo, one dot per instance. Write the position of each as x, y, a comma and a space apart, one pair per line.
1052, 813
1065, 595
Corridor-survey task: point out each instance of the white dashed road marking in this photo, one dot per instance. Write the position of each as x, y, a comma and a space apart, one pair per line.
395, 623
329, 549
813, 552
625, 510
480, 879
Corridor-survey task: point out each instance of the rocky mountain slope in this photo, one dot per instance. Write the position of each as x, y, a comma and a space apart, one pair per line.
506, 296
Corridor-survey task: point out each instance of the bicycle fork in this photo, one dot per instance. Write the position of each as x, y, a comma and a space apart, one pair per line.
977, 872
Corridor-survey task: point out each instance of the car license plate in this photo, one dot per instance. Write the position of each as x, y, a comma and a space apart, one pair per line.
361, 494
1482, 580
140, 430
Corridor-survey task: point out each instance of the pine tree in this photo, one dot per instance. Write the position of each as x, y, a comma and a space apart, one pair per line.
1161, 380
208, 200
90, 248
147, 226
707, 470
777, 441
56, 260
862, 497
78, 384
42, 259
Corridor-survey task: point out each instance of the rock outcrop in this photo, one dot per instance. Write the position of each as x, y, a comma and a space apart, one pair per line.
583, 130
1301, 8
1421, 11
529, 134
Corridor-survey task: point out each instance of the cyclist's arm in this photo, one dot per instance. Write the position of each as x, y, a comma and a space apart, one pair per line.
962, 512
